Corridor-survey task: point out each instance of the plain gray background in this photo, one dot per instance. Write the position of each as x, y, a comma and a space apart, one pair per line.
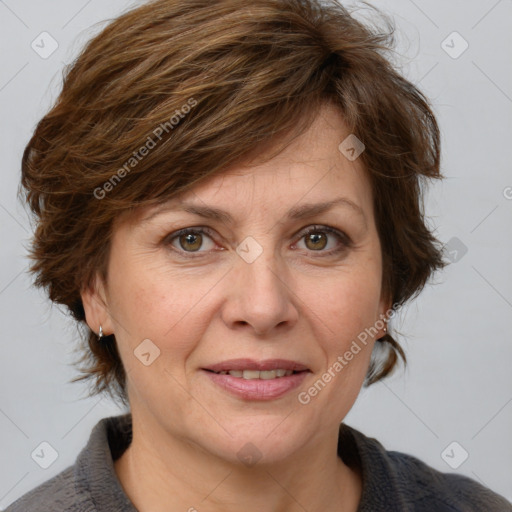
458, 384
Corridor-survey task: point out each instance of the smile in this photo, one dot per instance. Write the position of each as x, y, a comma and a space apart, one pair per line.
257, 384
255, 374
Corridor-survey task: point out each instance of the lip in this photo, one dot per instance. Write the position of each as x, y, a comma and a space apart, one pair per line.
252, 364
257, 389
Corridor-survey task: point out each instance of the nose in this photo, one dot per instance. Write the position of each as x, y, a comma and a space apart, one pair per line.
260, 296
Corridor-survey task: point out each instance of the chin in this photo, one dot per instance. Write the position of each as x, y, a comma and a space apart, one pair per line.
264, 439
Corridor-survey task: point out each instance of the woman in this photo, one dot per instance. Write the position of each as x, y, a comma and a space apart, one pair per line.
228, 197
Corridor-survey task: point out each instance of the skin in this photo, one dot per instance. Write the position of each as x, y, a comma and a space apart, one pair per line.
295, 301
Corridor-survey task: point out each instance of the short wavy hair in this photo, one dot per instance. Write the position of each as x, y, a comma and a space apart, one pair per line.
174, 91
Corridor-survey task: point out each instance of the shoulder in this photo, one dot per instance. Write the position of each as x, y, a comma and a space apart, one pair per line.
427, 487
90, 484
58, 493
396, 481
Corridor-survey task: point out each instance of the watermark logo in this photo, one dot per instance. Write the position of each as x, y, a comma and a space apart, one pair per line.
44, 455
351, 147
146, 352
454, 455
455, 249
44, 45
454, 45
249, 250
249, 454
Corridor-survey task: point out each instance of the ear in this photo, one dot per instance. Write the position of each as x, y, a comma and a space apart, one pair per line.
94, 300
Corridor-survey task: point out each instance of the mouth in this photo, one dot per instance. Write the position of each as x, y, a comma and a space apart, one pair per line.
257, 380
253, 369
258, 374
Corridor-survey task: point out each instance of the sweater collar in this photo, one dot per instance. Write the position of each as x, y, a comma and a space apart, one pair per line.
381, 486
95, 473
94, 469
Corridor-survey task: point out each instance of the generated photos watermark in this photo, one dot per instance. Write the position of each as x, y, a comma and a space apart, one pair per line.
304, 397
151, 142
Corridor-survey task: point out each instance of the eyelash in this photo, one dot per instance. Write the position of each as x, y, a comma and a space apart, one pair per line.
344, 239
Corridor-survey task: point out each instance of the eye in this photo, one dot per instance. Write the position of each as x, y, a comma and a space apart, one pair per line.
189, 240
317, 238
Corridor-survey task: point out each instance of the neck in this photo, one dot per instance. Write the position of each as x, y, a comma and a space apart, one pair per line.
182, 476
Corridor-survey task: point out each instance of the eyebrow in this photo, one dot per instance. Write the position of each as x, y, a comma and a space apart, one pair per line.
302, 211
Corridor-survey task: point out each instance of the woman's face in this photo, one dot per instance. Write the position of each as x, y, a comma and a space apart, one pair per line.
249, 284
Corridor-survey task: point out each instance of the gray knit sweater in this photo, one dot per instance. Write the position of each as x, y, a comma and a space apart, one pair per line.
392, 481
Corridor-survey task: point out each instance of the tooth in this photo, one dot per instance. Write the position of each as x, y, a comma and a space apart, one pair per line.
256, 374
251, 374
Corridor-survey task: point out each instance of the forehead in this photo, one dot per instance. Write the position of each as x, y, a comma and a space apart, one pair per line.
311, 169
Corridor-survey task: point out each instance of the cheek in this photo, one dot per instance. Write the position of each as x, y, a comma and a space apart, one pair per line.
153, 303
350, 309
349, 303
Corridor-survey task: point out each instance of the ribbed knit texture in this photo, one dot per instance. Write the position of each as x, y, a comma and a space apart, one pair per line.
392, 481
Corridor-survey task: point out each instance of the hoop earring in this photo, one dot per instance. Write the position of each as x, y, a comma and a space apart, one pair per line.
382, 340
100, 335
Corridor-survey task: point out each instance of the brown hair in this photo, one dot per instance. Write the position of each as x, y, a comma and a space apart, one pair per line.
200, 84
